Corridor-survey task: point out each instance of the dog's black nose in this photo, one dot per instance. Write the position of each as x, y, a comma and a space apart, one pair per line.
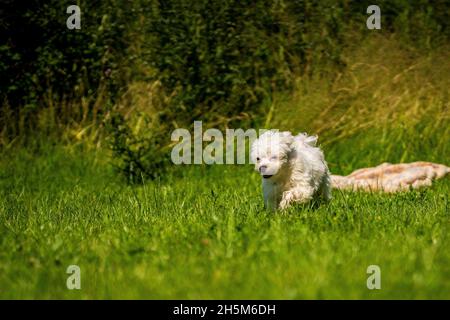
262, 169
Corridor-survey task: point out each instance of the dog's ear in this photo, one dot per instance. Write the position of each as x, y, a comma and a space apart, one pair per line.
287, 137
287, 141
309, 140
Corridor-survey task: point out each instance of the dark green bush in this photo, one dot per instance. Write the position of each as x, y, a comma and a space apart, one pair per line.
137, 157
44, 64
223, 57
217, 60
220, 60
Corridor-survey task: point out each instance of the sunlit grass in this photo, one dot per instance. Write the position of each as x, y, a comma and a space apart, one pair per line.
205, 234
202, 231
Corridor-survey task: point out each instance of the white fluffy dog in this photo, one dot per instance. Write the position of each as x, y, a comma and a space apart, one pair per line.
292, 167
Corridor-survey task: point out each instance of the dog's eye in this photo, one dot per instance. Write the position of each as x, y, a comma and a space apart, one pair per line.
257, 159
273, 157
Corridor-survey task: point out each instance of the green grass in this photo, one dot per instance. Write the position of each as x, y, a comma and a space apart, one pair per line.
205, 235
202, 233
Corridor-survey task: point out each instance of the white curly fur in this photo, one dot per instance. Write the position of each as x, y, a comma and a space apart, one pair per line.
293, 169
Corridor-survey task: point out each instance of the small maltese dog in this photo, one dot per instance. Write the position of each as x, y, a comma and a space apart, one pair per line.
292, 167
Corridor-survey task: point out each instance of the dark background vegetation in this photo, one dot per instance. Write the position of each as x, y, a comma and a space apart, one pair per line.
217, 61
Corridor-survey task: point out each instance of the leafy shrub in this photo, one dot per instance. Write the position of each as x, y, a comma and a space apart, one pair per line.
45, 65
223, 58
218, 61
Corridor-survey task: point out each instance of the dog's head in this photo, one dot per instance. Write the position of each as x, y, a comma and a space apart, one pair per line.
270, 152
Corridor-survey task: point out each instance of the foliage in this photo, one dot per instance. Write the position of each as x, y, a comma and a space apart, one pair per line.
222, 62
138, 156
45, 65
207, 236
202, 232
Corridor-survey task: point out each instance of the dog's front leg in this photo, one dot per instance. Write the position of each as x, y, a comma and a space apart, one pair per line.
300, 195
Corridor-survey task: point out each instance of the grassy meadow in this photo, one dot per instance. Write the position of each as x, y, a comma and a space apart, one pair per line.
201, 232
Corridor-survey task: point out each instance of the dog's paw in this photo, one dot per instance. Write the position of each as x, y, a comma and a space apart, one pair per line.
283, 205
286, 200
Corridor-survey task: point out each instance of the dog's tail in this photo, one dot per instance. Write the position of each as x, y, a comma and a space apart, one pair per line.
305, 139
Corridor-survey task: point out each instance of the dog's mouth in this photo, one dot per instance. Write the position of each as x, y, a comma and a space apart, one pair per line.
267, 176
